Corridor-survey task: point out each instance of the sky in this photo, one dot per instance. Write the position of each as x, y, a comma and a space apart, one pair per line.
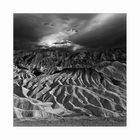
83, 30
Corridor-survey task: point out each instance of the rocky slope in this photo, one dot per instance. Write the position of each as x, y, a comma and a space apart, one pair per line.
55, 83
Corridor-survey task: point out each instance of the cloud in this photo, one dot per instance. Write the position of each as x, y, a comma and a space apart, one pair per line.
57, 37
77, 47
93, 29
102, 30
97, 22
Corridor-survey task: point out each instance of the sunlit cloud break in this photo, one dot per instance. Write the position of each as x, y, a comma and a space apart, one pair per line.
60, 40
49, 40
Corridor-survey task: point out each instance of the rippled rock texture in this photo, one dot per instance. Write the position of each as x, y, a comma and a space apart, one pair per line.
79, 84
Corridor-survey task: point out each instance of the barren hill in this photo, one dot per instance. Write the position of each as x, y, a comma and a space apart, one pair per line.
55, 83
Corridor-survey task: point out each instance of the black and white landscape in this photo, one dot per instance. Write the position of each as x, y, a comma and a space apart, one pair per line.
69, 69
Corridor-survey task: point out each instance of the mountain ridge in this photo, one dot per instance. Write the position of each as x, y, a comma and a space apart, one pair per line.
85, 91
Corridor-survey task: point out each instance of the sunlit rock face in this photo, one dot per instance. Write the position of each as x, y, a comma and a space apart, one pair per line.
55, 83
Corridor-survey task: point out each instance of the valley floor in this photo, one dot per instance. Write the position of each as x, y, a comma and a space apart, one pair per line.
73, 122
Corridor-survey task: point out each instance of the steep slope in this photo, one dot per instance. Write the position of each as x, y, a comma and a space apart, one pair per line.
99, 90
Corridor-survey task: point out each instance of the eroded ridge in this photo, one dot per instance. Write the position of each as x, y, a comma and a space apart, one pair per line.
99, 91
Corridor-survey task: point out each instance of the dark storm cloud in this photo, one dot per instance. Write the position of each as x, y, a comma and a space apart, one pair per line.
30, 28
27, 26
93, 29
106, 33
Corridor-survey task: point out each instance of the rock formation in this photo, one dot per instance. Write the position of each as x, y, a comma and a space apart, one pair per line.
56, 83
